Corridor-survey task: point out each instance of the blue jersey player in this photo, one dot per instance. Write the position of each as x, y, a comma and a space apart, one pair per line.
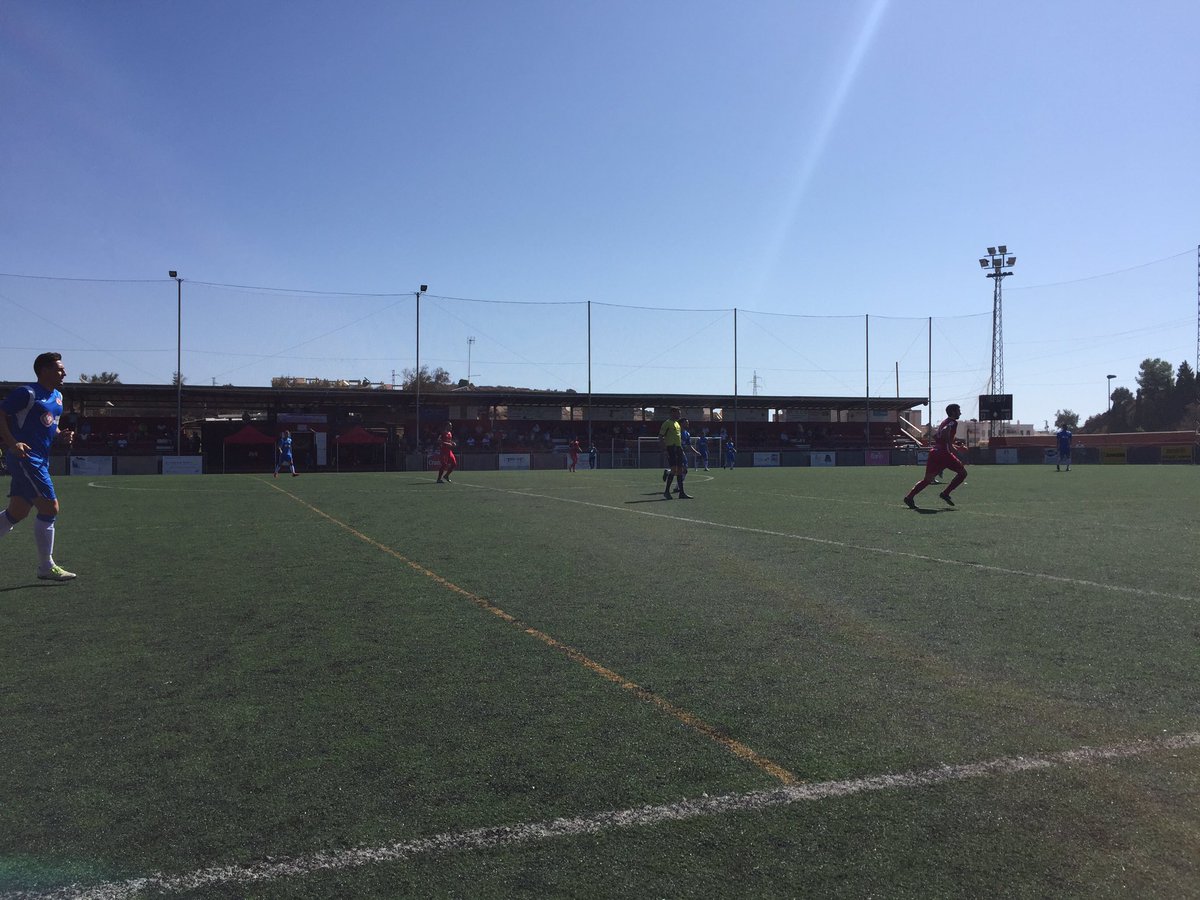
28, 427
702, 450
1064, 449
685, 439
284, 454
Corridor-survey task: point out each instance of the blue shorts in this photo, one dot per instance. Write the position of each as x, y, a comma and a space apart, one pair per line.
30, 479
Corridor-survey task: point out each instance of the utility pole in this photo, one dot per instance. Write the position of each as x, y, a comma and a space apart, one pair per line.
417, 376
178, 361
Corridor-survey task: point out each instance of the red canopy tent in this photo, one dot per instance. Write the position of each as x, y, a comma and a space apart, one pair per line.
248, 435
359, 436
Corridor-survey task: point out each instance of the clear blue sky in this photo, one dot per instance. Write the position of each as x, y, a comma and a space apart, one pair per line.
787, 158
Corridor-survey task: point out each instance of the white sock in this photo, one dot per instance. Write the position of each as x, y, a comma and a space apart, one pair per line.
43, 536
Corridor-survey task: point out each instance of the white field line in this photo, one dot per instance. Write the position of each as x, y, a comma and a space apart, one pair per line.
961, 511
516, 835
166, 490
887, 551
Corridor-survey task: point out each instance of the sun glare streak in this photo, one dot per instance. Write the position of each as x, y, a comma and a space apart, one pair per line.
820, 135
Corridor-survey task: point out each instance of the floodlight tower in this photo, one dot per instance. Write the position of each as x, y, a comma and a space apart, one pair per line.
996, 262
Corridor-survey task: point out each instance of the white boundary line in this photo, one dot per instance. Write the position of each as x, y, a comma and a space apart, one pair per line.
482, 839
827, 542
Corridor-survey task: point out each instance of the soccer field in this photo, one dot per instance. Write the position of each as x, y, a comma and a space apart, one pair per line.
553, 684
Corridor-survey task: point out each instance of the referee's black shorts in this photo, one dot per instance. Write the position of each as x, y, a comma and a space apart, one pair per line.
674, 456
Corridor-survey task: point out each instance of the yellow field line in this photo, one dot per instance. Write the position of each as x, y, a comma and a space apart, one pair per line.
737, 748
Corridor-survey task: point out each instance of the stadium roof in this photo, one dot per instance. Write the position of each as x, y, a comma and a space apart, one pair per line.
163, 396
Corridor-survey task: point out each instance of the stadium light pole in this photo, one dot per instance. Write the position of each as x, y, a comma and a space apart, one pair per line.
178, 361
417, 373
996, 262
1110, 380
470, 344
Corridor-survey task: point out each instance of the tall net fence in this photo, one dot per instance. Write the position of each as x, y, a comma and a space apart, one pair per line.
249, 336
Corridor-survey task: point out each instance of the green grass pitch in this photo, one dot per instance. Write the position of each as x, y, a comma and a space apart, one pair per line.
282, 679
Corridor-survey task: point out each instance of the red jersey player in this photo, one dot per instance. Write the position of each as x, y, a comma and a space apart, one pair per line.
448, 462
574, 451
942, 456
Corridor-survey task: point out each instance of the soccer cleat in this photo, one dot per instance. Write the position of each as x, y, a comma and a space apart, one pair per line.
56, 573
276, 475
910, 502
439, 481
945, 496
683, 496
667, 495
448, 481
295, 474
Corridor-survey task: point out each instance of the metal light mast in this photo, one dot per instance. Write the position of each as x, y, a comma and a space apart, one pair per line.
996, 262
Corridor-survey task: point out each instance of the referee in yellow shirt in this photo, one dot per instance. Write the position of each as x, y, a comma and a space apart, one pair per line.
671, 435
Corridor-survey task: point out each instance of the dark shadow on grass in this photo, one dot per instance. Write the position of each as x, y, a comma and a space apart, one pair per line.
926, 511
36, 584
657, 494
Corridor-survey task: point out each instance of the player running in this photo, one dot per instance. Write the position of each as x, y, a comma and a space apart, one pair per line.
448, 462
284, 458
573, 450
941, 457
28, 427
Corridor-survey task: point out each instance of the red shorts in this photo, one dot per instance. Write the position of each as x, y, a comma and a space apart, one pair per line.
448, 459
940, 459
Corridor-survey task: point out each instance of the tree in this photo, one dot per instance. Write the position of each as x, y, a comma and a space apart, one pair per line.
1121, 396
1155, 377
102, 378
1184, 394
438, 380
1066, 418
1155, 385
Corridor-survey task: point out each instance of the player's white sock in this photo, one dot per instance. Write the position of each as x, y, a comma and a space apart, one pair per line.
6, 524
43, 536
